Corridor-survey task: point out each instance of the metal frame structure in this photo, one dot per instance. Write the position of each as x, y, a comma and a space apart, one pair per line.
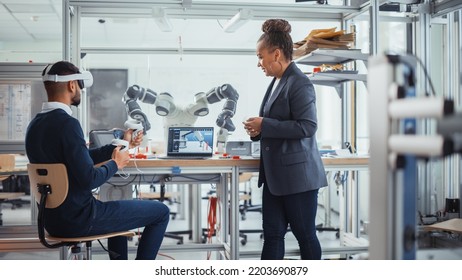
383, 238
396, 145
212, 10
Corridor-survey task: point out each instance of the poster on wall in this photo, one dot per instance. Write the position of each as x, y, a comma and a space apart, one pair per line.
15, 109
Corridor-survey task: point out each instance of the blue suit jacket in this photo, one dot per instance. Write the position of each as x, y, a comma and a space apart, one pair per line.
290, 161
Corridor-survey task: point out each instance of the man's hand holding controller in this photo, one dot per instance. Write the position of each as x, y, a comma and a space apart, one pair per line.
133, 137
121, 157
134, 133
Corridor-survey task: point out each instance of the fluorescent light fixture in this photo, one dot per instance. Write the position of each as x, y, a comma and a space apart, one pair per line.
237, 20
161, 20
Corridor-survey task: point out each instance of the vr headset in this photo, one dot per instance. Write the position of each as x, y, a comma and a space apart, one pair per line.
84, 79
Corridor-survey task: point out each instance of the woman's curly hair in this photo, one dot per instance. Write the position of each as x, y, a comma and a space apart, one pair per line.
276, 35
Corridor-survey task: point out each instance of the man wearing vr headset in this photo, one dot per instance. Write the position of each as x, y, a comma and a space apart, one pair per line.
54, 136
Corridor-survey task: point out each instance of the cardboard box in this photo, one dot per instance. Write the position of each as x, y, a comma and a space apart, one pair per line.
7, 162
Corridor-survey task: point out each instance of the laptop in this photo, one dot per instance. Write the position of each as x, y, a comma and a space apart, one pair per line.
190, 142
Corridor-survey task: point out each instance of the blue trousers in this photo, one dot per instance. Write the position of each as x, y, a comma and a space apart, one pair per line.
298, 211
131, 214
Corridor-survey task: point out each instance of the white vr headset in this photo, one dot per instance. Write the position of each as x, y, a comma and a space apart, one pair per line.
84, 79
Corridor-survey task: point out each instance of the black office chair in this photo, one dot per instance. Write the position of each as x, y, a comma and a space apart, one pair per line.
50, 185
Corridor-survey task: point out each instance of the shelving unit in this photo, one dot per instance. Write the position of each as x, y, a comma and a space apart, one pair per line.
335, 79
331, 56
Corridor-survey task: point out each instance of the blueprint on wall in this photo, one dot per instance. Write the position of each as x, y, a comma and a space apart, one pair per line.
15, 109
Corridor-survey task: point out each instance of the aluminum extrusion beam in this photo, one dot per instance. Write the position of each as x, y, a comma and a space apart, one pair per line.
215, 10
197, 51
444, 7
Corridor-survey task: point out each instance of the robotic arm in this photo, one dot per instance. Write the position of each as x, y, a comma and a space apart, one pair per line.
130, 97
215, 95
227, 92
176, 116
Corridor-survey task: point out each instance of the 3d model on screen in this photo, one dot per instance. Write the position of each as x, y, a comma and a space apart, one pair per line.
187, 116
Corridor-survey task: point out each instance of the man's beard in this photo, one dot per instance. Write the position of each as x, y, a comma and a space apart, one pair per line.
75, 102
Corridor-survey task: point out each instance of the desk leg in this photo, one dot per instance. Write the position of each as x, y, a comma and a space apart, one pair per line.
355, 227
343, 212
327, 201
351, 190
196, 209
181, 206
234, 214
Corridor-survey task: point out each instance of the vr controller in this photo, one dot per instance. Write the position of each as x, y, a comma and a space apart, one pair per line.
119, 142
137, 127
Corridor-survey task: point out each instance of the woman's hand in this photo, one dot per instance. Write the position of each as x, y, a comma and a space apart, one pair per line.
253, 126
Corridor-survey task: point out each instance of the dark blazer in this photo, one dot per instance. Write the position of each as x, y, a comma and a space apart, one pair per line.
290, 161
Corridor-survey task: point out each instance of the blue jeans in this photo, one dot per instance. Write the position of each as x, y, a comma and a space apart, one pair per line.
130, 214
298, 211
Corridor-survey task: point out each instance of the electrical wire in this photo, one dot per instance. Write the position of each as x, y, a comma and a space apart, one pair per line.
211, 220
167, 256
123, 175
122, 185
396, 58
136, 166
427, 76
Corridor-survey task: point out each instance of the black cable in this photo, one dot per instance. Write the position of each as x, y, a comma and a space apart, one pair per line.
398, 58
426, 74
199, 180
116, 185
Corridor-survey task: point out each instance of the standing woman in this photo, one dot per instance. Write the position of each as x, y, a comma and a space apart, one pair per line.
291, 169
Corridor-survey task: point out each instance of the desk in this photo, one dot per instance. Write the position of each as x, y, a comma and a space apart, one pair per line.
228, 168
453, 225
349, 198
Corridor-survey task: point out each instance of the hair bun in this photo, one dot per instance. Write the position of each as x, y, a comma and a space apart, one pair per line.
276, 25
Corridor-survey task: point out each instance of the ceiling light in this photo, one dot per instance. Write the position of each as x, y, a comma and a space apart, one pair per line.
161, 20
237, 20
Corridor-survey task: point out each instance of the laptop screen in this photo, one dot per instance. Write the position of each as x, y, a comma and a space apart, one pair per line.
190, 141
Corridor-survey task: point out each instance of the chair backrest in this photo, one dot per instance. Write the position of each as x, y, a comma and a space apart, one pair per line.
53, 174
